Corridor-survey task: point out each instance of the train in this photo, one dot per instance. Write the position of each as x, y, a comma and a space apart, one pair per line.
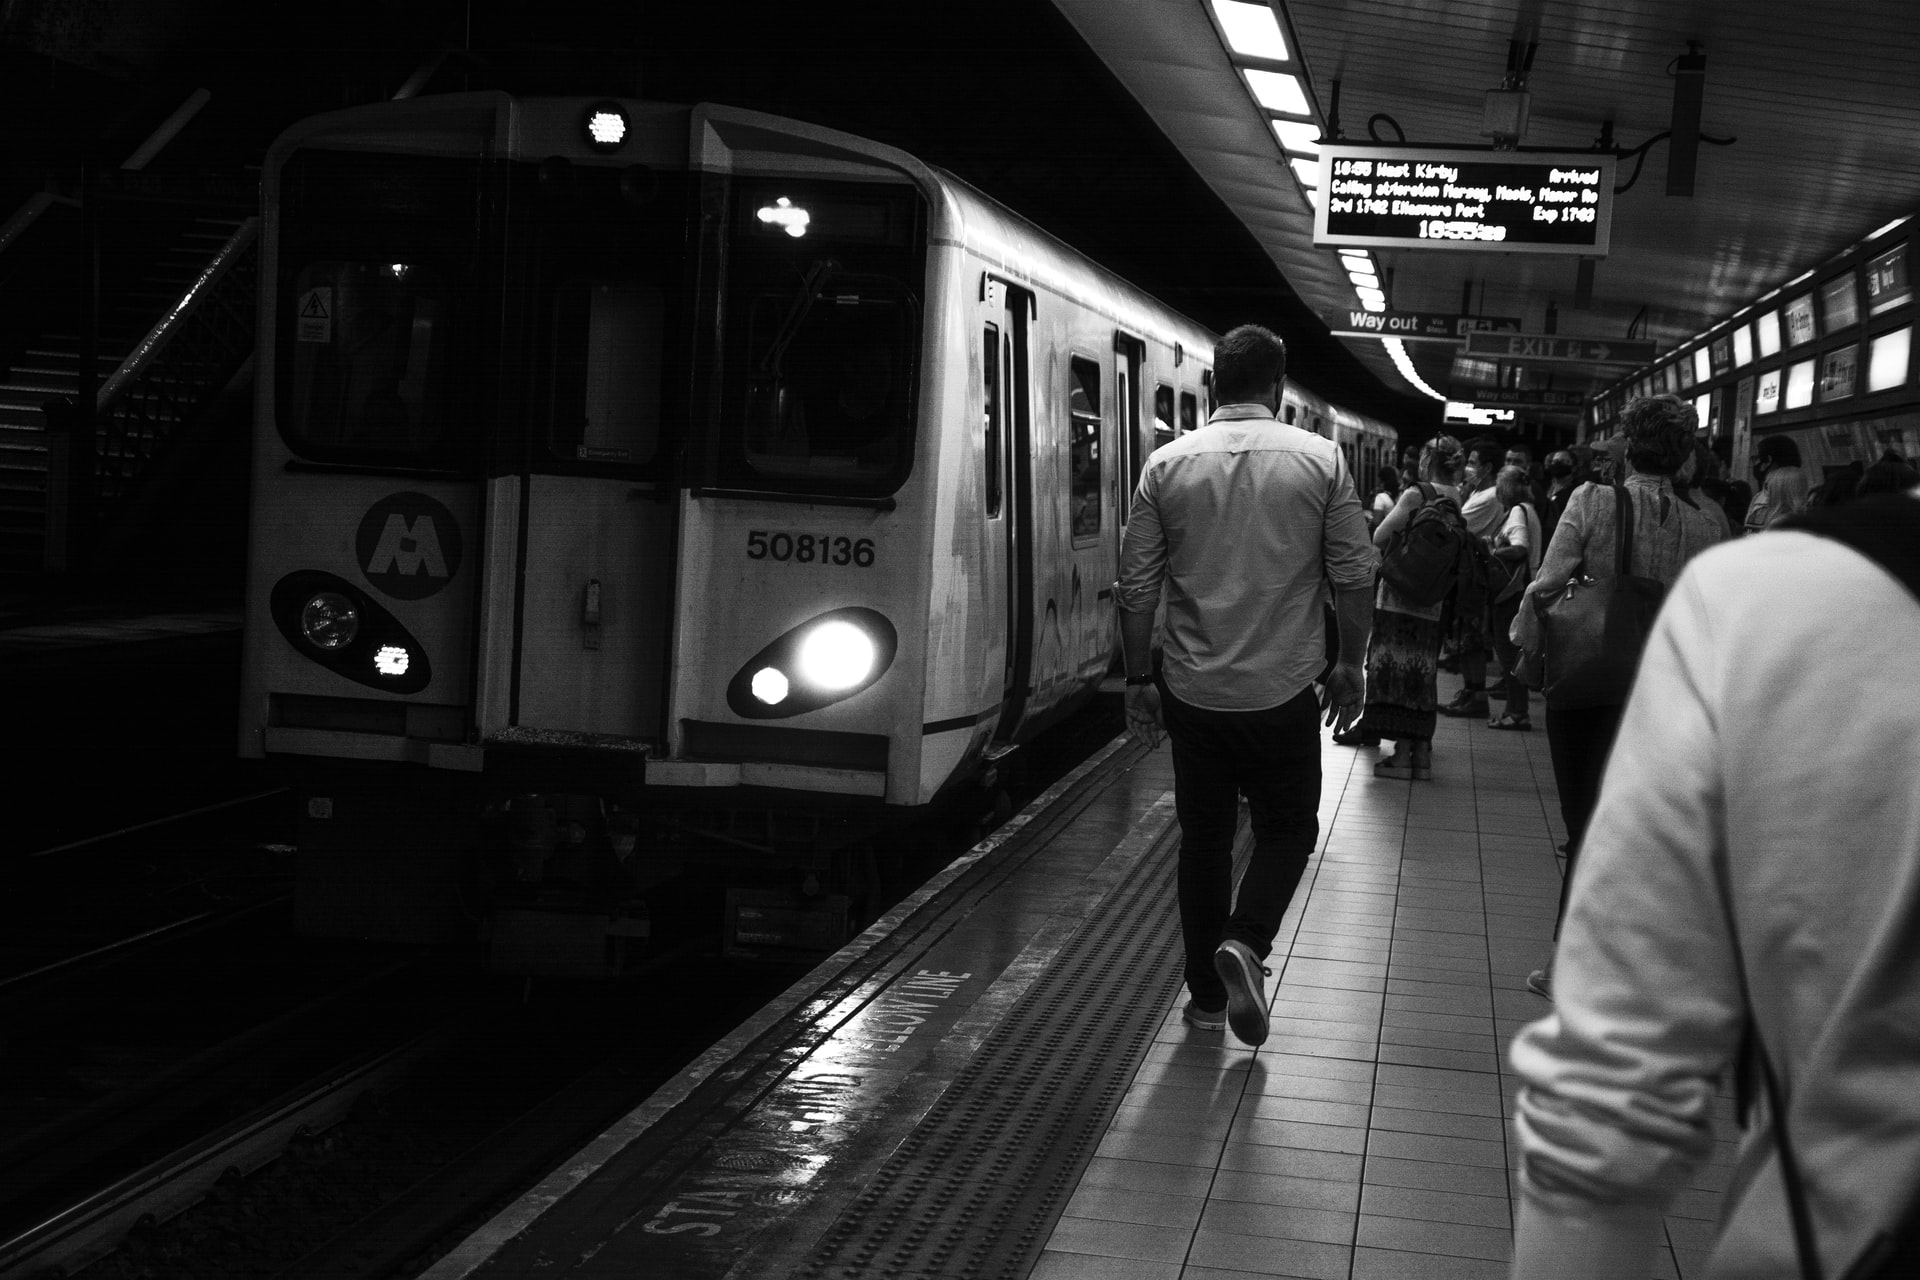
632, 477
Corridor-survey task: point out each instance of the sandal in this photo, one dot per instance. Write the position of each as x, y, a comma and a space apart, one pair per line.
1511, 721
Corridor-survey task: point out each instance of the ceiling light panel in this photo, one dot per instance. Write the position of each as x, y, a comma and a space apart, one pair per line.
1308, 171
1298, 135
1251, 30
1276, 91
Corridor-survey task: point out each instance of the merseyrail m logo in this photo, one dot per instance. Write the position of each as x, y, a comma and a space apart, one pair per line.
409, 546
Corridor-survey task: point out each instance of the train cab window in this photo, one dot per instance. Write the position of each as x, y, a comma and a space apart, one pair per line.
1083, 465
820, 336
603, 398
368, 361
379, 310
990, 424
1189, 412
1162, 415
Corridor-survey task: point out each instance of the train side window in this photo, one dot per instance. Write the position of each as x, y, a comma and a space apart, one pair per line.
1292, 413
1206, 384
1162, 415
990, 388
603, 392
1189, 412
1083, 452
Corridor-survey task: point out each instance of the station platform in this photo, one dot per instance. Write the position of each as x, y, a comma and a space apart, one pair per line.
994, 1080
36, 627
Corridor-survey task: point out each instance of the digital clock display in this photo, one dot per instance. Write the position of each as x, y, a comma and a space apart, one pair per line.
1480, 201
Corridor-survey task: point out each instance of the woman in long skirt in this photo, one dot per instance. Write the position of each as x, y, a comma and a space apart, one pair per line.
1404, 651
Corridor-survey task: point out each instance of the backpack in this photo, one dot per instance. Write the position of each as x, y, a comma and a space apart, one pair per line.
1423, 560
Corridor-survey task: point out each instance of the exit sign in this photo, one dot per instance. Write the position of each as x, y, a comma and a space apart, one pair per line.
1547, 346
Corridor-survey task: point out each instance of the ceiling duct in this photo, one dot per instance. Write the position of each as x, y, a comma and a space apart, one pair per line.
1683, 148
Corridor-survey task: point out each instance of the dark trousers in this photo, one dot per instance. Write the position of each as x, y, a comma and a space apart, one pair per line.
1272, 757
1579, 742
1508, 653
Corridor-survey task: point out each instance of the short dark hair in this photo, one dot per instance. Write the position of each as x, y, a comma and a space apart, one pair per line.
1781, 451
1247, 361
1659, 432
1487, 447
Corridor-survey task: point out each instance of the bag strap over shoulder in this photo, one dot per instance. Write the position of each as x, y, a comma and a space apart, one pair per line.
1623, 529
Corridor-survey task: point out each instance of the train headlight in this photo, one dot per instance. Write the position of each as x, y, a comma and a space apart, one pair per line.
836, 656
329, 620
827, 658
333, 623
770, 686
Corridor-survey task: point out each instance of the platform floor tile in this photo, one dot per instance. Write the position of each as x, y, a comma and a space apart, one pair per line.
1370, 1137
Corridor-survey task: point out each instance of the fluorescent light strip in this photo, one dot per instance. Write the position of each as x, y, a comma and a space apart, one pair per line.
1308, 171
1251, 29
1398, 350
1276, 91
1298, 135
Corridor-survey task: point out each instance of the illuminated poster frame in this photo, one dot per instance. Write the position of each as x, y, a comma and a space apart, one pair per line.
1430, 199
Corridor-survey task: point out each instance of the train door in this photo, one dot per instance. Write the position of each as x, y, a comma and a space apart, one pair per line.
1016, 309
594, 529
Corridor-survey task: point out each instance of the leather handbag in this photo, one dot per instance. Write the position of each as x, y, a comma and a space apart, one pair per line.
1593, 630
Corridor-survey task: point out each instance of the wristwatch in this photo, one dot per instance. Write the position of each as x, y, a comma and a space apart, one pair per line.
1134, 682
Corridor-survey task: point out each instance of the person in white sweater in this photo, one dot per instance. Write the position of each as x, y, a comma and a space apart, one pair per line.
1763, 782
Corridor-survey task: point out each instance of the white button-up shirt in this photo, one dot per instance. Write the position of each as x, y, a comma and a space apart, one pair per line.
1245, 523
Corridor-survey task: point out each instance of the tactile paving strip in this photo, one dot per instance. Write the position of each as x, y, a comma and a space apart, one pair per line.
976, 1189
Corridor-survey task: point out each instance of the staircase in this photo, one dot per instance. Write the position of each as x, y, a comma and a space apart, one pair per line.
165, 348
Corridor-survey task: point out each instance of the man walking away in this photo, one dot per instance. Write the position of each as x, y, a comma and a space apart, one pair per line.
1244, 524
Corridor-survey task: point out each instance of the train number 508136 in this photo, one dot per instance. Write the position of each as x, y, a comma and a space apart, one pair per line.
807, 548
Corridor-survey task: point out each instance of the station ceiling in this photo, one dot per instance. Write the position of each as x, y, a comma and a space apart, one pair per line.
1820, 100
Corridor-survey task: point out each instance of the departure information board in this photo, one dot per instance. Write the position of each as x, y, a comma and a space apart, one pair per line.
1479, 201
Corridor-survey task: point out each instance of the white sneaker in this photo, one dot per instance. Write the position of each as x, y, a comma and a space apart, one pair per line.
1204, 1019
1245, 977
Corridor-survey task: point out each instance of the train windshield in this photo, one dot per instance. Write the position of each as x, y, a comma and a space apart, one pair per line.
377, 268
820, 336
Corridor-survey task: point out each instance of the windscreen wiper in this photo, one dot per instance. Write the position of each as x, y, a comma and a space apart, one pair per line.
822, 270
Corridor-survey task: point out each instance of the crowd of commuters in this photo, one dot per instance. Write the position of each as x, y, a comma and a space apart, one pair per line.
1693, 939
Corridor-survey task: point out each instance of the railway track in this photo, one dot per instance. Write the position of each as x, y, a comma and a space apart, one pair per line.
442, 1127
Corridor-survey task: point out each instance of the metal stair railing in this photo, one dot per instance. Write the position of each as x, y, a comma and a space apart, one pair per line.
173, 372
182, 362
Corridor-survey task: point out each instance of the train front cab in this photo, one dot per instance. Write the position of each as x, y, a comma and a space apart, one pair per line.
497, 580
